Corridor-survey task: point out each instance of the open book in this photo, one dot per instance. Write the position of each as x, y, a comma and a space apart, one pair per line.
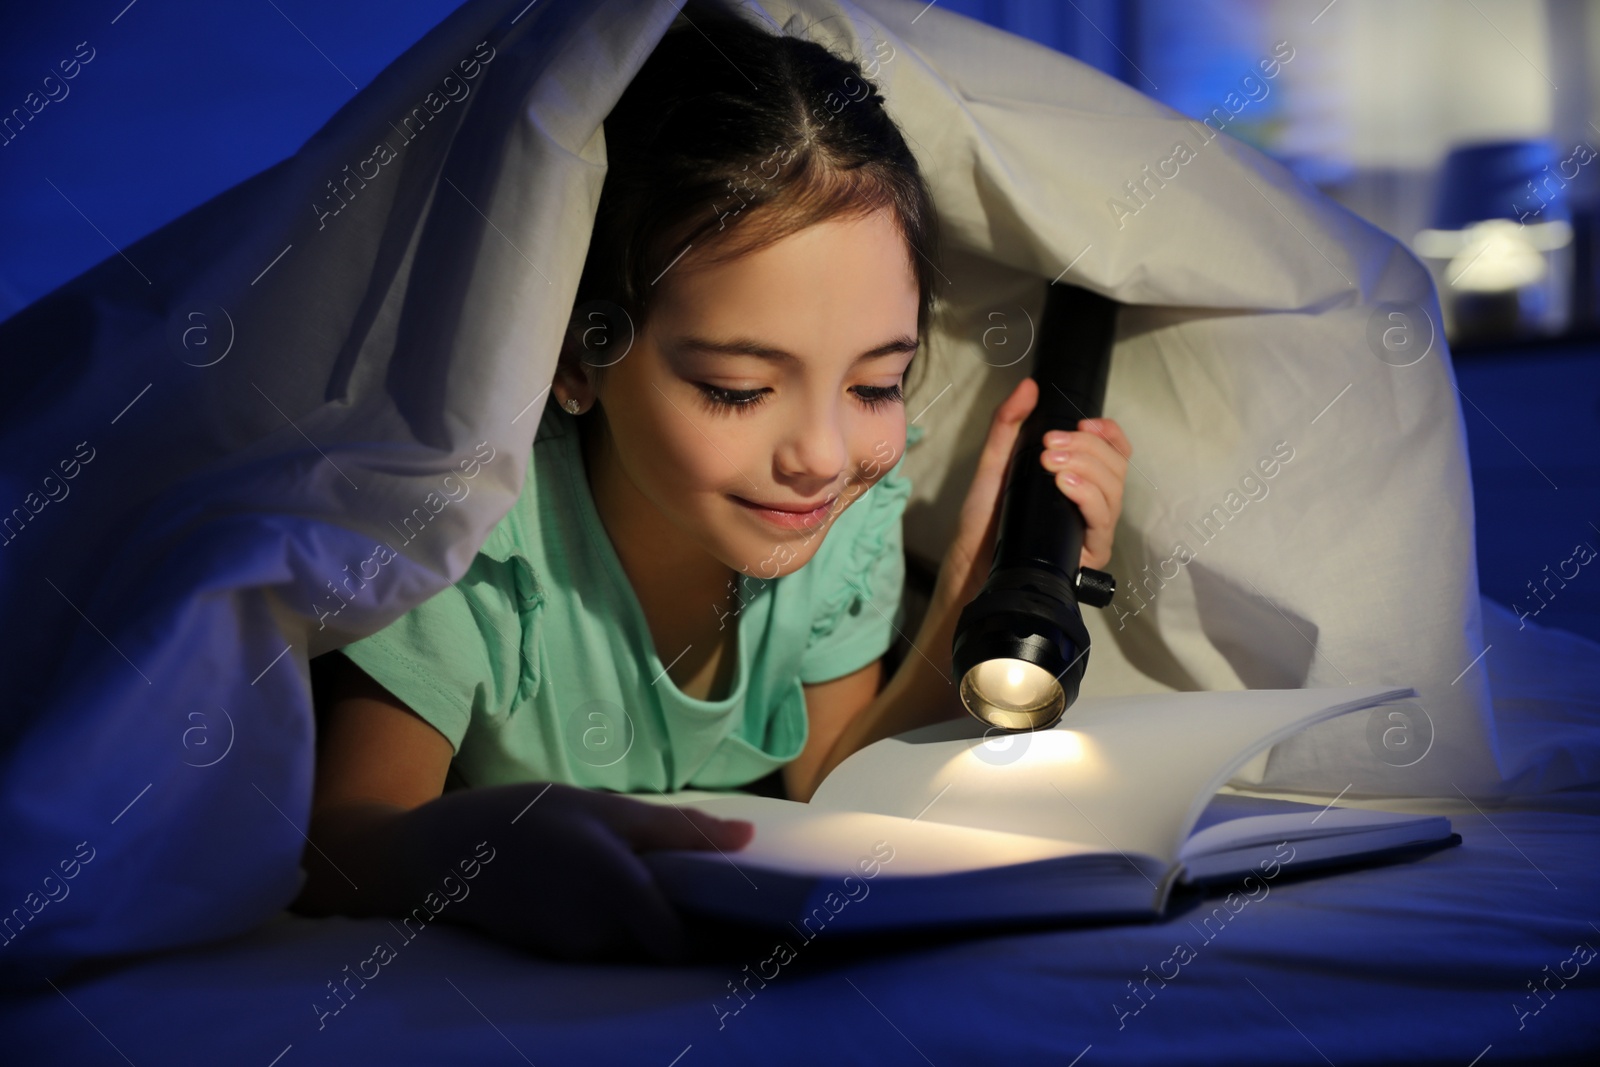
1098, 817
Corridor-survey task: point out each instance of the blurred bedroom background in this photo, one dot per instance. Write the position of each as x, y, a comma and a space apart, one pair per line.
1469, 129
1464, 128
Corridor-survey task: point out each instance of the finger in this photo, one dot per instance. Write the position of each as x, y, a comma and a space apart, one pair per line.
1089, 442
1097, 521
1007, 422
715, 832
1083, 441
979, 516
1107, 450
1091, 502
663, 826
1017, 406
1092, 468
1111, 432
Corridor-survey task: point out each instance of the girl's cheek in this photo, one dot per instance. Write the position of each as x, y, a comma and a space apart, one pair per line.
701, 462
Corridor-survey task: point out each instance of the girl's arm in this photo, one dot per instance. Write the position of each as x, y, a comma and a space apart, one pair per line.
376, 760
563, 875
849, 713
921, 691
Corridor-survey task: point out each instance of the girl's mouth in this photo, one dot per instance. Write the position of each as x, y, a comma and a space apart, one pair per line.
788, 520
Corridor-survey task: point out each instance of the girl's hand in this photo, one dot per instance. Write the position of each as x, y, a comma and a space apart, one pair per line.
1091, 466
552, 868
566, 879
1091, 476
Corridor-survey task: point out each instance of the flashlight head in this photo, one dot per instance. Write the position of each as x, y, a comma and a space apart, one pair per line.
1020, 650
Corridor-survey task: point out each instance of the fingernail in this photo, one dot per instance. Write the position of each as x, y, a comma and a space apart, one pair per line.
1070, 478
1056, 457
1055, 438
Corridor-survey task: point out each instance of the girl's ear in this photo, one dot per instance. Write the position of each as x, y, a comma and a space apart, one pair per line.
599, 335
572, 380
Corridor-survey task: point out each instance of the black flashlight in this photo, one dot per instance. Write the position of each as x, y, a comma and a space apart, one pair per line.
1020, 646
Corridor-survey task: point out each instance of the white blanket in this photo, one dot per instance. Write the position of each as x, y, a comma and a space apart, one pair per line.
213, 468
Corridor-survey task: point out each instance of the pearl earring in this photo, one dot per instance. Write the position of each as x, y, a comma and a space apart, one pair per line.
572, 405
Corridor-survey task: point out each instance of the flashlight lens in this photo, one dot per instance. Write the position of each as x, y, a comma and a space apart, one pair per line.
1012, 693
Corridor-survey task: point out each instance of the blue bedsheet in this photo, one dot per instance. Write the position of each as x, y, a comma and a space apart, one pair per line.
1420, 962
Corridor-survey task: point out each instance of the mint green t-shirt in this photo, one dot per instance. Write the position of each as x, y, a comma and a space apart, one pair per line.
538, 665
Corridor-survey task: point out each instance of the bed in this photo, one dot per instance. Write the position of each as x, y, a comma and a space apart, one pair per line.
158, 699
1472, 954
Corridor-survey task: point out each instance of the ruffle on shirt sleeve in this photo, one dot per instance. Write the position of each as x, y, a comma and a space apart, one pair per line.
455, 658
854, 619
529, 596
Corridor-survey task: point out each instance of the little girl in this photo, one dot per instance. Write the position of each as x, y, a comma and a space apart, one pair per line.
703, 571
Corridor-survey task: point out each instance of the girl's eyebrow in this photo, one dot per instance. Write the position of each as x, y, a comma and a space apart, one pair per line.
747, 346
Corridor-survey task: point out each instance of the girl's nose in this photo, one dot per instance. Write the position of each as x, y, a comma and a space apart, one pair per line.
814, 451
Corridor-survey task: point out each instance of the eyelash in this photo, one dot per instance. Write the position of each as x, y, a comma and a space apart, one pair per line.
719, 400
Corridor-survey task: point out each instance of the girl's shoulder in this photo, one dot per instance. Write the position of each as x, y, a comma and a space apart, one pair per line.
514, 537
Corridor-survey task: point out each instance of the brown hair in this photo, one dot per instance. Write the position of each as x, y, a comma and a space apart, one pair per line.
730, 138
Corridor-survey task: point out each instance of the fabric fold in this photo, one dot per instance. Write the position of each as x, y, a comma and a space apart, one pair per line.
294, 376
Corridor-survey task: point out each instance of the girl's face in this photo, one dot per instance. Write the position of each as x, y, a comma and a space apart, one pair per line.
772, 379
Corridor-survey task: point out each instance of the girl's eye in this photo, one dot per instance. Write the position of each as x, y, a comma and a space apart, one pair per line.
717, 399
876, 396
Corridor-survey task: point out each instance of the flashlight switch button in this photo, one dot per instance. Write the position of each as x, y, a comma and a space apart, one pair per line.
1095, 588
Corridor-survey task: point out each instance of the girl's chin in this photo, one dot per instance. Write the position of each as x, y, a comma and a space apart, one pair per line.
770, 559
